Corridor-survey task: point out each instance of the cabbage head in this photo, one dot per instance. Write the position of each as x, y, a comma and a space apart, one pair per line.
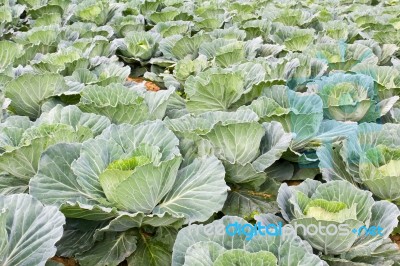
367, 158
348, 97
210, 245
312, 207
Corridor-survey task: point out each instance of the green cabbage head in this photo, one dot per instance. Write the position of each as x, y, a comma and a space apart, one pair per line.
335, 216
347, 97
380, 171
370, 158
210, 245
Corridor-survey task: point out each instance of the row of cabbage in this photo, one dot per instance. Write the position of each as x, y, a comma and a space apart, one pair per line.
253, 93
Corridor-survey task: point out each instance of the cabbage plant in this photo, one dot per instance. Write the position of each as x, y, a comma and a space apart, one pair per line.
368, 158
209, 245
349, 97
337, 204
177, 47
140, 46
300, 114
379, 171
293, 38
228, 135
221, 89
129, 177
97, 11
387, 79
226, 52
342, 56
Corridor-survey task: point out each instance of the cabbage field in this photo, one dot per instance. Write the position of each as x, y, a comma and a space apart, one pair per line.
199, 133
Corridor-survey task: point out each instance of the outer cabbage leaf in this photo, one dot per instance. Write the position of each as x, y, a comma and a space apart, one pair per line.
201, 181
155, 250
9, 52
29, 230
28, 92
111, 250
242, 257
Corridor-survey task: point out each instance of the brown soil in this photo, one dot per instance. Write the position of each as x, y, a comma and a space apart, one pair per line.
149, 85
65, 261
396, 239
72, 262
293, 182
